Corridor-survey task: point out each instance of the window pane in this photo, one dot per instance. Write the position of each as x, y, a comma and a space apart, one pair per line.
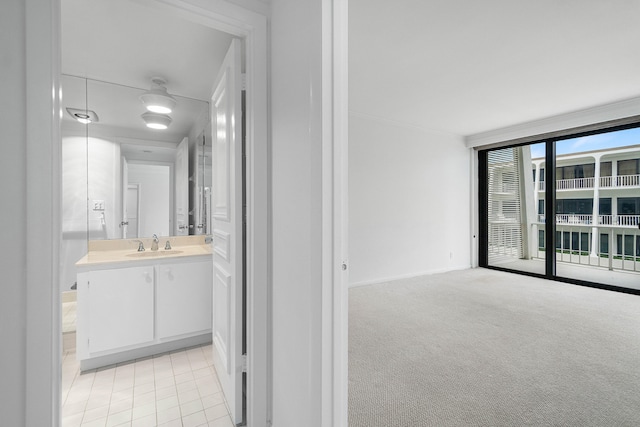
628, 167
585, 242
614, 155
628, 245
589, 170
604, 243
513, 223
628, 206
575, 241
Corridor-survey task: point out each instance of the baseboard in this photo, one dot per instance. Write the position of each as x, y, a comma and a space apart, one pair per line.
138, 353
409, 276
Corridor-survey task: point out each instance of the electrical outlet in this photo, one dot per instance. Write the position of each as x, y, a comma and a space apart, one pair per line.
98, 205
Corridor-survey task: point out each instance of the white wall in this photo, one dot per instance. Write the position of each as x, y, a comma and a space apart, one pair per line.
409, 208
296, 212
13, 163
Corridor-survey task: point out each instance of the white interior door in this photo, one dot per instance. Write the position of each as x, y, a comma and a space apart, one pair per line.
125, 189
182, 188
226, 110
131, 211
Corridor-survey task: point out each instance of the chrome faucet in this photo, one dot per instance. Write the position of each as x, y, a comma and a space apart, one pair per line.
167, 246
154, 244
140, 246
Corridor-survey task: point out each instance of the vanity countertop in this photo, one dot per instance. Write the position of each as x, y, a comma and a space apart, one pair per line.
126, 253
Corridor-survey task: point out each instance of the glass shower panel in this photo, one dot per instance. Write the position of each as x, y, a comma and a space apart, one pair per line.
73, 242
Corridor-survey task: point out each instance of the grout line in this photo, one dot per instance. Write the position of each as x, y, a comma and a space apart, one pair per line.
172, 360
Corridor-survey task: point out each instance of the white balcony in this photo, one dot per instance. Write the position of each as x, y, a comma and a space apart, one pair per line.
627, 181
621, 220
573, 219
574, 184
578, 219
622, 181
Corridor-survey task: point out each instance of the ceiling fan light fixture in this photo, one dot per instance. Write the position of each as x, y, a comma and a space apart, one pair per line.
156, 121
157, 99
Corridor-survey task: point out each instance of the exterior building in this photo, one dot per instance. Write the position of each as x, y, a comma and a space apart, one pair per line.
597, 202
597, 209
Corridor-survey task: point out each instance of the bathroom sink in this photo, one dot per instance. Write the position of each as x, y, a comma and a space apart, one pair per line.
153, 254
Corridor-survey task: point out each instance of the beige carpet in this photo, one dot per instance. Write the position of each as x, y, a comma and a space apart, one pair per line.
485, 348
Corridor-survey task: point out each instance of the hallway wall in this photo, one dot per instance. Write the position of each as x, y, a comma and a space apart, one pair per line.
296, 162
13, 262
409, 210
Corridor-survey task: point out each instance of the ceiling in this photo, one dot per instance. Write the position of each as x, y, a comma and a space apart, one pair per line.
464, 67
119, 45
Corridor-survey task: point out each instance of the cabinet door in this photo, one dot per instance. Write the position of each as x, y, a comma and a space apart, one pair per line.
120, 308
183, 299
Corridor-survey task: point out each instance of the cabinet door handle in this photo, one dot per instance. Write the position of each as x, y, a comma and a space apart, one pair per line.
147, 276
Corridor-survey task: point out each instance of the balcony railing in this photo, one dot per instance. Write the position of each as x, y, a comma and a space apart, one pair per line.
579, 219
621, 181
628, 181
573, 219
606, 181
616, 248
574, 184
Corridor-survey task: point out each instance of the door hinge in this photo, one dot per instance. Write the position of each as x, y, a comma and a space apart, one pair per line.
244, 363
244, 81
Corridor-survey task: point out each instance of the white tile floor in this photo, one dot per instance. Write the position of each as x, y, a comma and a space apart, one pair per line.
69, 316
173, 389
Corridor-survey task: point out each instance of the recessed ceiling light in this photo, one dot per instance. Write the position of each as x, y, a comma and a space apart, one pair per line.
83, 116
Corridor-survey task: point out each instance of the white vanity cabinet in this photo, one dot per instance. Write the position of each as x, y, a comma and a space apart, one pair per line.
183, 298
133, 309
117, 308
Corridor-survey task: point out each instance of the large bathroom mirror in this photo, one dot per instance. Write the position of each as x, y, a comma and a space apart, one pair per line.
138, 179
122, 179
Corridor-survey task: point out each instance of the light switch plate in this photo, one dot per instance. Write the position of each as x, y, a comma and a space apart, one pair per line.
98, 205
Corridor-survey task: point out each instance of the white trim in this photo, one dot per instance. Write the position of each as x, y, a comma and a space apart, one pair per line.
44, 194
409, 276
603, 113
474, 205
44, 217
335, 297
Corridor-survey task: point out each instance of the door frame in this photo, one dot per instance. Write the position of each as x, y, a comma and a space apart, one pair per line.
43, 149
335, 222
138, 187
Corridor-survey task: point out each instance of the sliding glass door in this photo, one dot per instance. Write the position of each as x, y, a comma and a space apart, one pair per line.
512, 209
566, 208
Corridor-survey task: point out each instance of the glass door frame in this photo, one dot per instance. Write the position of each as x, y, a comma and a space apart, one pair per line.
550, 205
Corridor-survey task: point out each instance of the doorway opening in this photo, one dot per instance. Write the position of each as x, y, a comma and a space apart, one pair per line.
251, 29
